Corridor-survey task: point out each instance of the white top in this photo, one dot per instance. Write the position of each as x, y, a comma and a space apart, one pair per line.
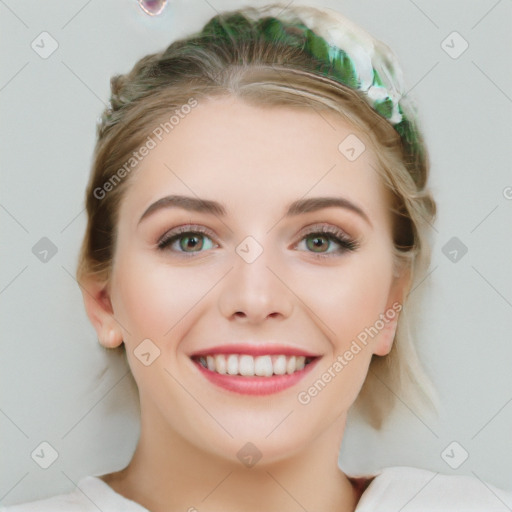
393, 489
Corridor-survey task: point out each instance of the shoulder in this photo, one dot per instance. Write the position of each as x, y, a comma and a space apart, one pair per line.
415, 489
90, 495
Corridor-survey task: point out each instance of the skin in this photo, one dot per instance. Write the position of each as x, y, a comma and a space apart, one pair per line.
255, 161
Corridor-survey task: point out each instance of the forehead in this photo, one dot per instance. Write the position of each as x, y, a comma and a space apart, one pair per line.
229, 150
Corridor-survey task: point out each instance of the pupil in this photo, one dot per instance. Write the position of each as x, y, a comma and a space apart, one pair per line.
318, 242
190, 242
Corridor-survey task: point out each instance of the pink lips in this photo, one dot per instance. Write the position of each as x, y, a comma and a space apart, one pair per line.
254, 385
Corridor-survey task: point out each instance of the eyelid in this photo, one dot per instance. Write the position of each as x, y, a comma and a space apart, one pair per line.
325, 228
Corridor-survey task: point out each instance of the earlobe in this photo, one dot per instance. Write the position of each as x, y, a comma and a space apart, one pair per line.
386, 338
113, 338
100, 312
398, 291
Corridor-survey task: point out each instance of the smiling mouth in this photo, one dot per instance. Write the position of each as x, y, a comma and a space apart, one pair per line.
245, 365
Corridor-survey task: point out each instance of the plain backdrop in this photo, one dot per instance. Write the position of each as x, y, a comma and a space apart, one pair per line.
51, 361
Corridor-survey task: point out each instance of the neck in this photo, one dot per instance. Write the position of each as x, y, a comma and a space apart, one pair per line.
167, 473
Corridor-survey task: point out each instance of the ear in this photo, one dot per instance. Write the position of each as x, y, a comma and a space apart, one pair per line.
397, 293
98, 306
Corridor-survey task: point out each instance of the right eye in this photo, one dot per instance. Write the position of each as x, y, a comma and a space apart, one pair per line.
186, 240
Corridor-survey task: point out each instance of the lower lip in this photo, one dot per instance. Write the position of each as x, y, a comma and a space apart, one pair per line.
255, 385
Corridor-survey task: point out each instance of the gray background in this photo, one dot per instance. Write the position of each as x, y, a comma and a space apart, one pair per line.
51, 361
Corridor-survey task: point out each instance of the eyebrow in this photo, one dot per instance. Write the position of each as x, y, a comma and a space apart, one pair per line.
298, 207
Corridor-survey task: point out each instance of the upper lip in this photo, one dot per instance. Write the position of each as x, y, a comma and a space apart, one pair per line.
261, 349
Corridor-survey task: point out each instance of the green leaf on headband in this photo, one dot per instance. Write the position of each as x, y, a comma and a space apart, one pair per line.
214, 28
272, 29
343, 69
384, 107
275, 31
317, 46
410, 140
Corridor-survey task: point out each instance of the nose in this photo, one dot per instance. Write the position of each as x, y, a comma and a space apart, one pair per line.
254, 291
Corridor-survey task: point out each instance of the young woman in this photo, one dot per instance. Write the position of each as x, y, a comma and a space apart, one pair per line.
258, 211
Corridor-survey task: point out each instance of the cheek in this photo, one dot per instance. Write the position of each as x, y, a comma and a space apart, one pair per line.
152, 299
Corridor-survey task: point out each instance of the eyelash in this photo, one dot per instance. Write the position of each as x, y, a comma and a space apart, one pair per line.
329, 232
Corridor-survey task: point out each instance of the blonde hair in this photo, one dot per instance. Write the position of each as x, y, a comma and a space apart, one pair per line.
229, 57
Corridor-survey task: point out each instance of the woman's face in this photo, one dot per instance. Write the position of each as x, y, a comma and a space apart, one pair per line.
255, 288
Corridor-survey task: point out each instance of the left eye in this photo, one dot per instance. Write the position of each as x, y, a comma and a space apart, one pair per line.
325, 243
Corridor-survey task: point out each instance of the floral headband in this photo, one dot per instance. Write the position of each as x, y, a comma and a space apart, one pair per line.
350, 58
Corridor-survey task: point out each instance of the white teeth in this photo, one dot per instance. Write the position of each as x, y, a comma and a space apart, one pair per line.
232, 364
220, 364
290, 365
248, 366
280, 365
263, 366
